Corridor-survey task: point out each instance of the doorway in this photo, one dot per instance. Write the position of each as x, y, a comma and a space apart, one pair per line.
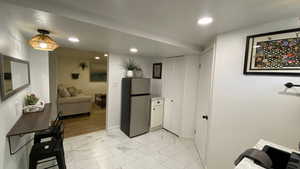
78, 86
203, 104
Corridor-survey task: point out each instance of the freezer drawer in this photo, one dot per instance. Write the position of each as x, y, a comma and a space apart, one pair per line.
140, 86
140, 115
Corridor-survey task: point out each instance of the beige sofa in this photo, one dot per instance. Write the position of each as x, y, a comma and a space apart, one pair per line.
74, 105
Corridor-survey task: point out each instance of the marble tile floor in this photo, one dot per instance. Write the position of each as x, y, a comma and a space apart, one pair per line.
114, 150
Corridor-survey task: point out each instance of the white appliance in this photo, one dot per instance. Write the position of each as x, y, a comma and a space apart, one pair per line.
157, 113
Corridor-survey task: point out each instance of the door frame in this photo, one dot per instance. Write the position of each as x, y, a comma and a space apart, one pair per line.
53, 84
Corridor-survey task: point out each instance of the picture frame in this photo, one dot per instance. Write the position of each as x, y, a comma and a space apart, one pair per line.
98, 71
157, 71
75, 76
274, 53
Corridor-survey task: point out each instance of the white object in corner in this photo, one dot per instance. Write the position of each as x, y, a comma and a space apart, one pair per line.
247, 163
157, 111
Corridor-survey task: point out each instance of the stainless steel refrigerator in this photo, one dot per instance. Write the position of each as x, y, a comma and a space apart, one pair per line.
135, 111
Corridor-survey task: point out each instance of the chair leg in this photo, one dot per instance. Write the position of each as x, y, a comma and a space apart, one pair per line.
61, 160
37, 140
32, 163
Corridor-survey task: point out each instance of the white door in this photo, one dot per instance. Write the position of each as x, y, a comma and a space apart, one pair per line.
203, 105
173, 80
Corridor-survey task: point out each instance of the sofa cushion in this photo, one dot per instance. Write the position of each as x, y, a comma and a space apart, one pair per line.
75, 99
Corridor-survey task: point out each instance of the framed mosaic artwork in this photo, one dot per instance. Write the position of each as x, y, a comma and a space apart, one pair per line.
275, 53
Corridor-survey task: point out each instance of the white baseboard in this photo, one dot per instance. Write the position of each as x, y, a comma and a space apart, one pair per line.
187, 136
113, 127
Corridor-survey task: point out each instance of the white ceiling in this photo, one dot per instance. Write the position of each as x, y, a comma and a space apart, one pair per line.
92, 37
172, 22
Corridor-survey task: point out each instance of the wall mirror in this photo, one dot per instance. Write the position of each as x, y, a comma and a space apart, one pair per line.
14, 75
98, 71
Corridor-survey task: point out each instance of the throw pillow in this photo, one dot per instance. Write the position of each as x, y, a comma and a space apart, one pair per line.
73, 91
63, 92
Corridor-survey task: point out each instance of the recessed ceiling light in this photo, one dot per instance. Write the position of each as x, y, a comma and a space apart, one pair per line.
205, 20
134, 50
97, 57
105, 54
73, 39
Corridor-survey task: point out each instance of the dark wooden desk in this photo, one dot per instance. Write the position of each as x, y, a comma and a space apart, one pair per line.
30, 123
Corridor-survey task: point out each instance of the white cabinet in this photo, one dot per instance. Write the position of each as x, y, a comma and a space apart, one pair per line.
157, 111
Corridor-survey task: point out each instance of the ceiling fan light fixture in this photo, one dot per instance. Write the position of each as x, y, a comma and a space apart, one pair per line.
43, 42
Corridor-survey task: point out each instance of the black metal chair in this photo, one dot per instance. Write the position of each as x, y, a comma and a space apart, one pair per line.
49, 133
42, 152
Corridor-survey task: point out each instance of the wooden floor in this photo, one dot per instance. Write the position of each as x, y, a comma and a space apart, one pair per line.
85, 124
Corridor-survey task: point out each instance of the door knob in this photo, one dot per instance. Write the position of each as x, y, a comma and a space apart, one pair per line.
172, 100
205, 117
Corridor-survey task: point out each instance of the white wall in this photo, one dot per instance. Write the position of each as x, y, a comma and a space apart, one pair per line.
156, 87
156, 84
39, 74
248, 108
53, 82
12, 43
115, 74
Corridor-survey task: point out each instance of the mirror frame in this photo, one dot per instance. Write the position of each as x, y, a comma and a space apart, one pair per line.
4, 95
